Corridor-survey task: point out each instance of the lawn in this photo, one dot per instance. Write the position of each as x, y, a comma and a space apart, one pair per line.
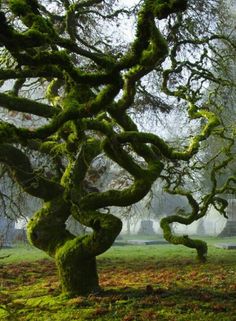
140, 283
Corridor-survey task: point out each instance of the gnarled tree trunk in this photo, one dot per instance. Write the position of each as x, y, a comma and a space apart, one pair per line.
75, 256
77, 271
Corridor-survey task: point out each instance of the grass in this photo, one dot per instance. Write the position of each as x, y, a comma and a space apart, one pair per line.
158, 282
21, 252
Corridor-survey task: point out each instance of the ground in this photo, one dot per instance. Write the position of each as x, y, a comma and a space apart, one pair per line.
157, 282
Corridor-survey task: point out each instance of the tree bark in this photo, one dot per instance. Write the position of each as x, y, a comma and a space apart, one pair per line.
77, 271
75, 256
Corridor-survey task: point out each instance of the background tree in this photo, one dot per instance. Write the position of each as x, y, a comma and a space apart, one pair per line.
78, 91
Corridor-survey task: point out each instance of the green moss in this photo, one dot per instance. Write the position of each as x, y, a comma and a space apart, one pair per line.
77, 269
7, 132
33, 38
157, 49
76, 258
141, 42
51, 147
199, 245
46, 229
122, 198
66, 178
52, 93
27, 10
163, 8
77, 169
20, 7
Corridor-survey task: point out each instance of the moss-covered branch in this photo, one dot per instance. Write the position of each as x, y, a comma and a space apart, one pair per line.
27, 178
47, 229
186, 219
185, 240
164, 148
25, 105
127, 196
42, 71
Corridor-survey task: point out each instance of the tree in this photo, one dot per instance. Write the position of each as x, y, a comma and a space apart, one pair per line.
77, 90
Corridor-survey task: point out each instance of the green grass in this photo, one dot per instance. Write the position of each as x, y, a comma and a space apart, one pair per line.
21, 252
156, 282
26, 252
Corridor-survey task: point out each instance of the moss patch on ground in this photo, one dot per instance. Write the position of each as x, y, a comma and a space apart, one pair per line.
139, 283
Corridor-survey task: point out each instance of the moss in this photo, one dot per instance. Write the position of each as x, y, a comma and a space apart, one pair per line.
199, 245
52, 92
143, 31
105, 97
48, 146
65, 180
163, 8
46, 229
7, 132
106, 228
141, 42
90, 148
157, 49
122, 198
55, 57
27, 10
72, 143
115, 152
20, 7
22, 172
33, 37
76, 258
77, 272
27, 106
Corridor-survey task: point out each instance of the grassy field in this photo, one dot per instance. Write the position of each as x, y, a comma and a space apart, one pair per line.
140, 283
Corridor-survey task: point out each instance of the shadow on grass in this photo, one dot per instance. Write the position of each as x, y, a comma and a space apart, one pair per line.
134, 289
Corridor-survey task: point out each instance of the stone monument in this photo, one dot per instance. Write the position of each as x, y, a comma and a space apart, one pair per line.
230, 227
201, 228
7, 231
146, 227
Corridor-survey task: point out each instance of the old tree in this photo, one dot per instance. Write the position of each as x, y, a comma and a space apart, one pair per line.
75, 90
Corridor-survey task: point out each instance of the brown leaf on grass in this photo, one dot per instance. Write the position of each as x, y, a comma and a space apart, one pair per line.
129, 317
149, 315
99, 311
4, 298
148, 301
219, 308
78, 301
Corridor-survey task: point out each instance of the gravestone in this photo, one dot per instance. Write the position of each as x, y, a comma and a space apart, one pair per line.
7, 231
201, 228
226, 246
146, 228
147, 242
230, 227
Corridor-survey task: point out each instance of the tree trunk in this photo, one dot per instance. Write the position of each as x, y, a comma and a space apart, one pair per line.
75, 256
76, 259
77, 273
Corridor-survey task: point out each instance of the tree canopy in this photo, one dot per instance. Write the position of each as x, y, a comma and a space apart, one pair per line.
74, 90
